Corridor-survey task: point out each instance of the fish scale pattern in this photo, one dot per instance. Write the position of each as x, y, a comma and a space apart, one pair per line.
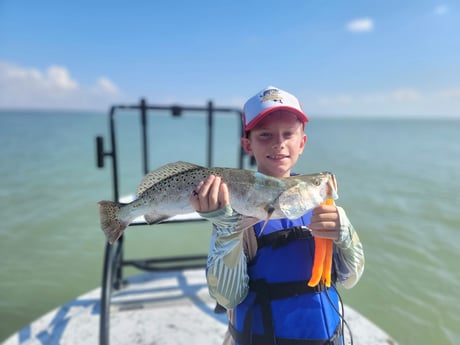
167, 173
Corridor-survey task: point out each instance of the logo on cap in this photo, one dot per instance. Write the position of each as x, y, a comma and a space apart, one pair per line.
271, 95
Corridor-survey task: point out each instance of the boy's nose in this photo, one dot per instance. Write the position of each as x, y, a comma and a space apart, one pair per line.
278, 141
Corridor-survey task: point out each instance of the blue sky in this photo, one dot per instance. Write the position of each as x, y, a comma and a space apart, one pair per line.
365, 58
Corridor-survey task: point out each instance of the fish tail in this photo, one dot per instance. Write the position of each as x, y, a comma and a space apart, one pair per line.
111, 223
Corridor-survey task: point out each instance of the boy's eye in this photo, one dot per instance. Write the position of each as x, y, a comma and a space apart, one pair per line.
265, 135
268, 135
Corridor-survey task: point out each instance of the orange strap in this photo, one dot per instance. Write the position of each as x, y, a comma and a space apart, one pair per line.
322, 262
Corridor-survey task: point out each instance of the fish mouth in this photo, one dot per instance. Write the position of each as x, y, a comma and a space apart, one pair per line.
331, 187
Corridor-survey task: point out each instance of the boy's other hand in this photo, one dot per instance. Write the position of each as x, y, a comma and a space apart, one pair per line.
325, 222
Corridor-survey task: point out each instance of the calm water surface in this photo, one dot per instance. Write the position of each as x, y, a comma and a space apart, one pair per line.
398, 181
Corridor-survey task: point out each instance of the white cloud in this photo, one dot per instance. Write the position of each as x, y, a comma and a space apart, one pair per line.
360, 25
404, 95
400, 96
57, 76
105, 85
441, 9
28, 87
404, 101
449, 94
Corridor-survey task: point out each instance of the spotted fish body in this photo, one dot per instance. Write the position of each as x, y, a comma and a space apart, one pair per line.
165, 192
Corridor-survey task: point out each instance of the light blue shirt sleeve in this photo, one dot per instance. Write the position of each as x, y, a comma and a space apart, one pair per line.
226, 269
349, 256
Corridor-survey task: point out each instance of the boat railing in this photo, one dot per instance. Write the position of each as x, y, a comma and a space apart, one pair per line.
114, 260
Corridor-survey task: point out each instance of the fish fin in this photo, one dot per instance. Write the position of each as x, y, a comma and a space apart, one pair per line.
111, 224
270, 209
154, 218
263, 227
162, 173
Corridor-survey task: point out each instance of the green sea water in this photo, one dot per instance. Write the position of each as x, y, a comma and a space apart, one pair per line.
398, 181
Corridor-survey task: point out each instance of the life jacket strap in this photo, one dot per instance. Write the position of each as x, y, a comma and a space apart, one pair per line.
256, 339
273, 291
282, 237
265, 293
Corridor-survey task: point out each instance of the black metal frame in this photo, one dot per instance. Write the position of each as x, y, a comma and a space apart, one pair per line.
112, 275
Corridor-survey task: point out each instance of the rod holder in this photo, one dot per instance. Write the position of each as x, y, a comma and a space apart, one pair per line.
100, 153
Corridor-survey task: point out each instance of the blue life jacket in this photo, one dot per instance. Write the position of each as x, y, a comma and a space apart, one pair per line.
280, 307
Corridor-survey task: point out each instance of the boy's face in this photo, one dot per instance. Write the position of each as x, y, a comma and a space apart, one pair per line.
276, 143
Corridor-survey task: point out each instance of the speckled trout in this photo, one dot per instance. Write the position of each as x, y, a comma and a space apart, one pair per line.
165, 192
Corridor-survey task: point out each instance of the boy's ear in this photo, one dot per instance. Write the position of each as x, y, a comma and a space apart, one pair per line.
303, 143
246, 145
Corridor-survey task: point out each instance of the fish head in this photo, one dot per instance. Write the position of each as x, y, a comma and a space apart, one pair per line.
307, 192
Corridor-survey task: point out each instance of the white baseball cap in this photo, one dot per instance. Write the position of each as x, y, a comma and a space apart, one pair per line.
267, 101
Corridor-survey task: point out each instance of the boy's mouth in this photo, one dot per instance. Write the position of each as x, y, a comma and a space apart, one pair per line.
277, 157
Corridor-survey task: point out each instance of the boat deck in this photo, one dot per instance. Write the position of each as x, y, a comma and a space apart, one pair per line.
167, 308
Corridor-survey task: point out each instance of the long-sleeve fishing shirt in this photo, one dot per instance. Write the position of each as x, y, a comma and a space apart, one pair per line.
231, 249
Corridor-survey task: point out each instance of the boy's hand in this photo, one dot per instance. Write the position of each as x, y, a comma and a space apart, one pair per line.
210, 195
325, 222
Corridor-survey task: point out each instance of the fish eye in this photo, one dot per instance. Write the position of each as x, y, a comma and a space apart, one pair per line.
317, 182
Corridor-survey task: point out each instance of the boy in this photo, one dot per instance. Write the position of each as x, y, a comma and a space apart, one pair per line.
261, 279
